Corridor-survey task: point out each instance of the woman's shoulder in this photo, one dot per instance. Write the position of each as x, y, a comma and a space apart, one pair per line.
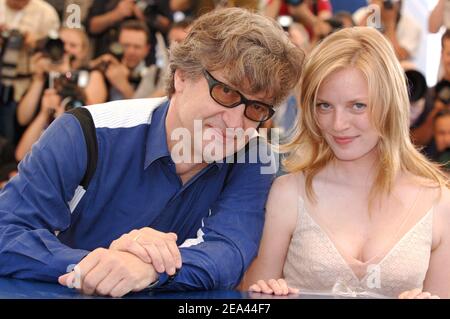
443, 203
288, 183
441, 218
282, 205
284, 190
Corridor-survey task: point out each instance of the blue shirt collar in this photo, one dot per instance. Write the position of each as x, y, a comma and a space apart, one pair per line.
156, 145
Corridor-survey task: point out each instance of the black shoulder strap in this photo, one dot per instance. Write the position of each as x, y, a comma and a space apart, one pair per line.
90, 136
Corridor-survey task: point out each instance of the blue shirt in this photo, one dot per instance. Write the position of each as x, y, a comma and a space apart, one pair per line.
218, 214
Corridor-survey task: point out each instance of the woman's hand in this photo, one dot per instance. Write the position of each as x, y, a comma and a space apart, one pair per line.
276, 287
417, 294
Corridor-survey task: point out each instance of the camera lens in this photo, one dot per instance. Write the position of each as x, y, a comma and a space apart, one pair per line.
417, 85
54, 49
443, 91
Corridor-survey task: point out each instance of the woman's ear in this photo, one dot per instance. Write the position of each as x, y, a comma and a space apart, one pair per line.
179, 80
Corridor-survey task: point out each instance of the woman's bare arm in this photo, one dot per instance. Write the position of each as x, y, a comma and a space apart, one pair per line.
437, 280
281, 218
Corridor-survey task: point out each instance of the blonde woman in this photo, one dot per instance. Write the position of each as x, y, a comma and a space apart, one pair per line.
362, 210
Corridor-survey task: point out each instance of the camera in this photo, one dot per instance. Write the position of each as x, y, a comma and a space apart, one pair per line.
444, 158
52, 47
13, 41
335, 24
116, 50
70, 87
442, 91
417, 85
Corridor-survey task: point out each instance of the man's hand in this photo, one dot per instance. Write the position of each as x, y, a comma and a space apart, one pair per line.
110, 273
152, 246
101, 61
138, 13
117, 74
30, 40
40, 65
51, 104
125, 9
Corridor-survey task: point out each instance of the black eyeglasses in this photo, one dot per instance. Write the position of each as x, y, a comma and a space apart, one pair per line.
228, 97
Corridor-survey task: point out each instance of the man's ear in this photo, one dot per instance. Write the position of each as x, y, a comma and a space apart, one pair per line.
179, 80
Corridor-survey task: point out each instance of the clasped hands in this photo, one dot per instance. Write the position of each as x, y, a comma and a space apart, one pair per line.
131, 264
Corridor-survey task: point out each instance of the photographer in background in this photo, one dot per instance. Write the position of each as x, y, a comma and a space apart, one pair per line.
22, 23
196, 8
401, 30
311, 13
152, 82
442, 138
69, 53
124, 73
105, 17
438, 99
179, 30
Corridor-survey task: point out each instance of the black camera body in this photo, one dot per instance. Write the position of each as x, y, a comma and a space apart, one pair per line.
12, 43
116, 50
70, 87
12, 40
442, 91
51, 47
417, 85
444, 158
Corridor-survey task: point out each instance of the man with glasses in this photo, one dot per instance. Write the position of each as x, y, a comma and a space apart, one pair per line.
174, 201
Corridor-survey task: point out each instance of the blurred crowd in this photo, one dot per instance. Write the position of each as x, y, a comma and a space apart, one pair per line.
59, 54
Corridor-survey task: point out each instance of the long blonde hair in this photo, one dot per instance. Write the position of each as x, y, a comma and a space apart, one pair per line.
367, 50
